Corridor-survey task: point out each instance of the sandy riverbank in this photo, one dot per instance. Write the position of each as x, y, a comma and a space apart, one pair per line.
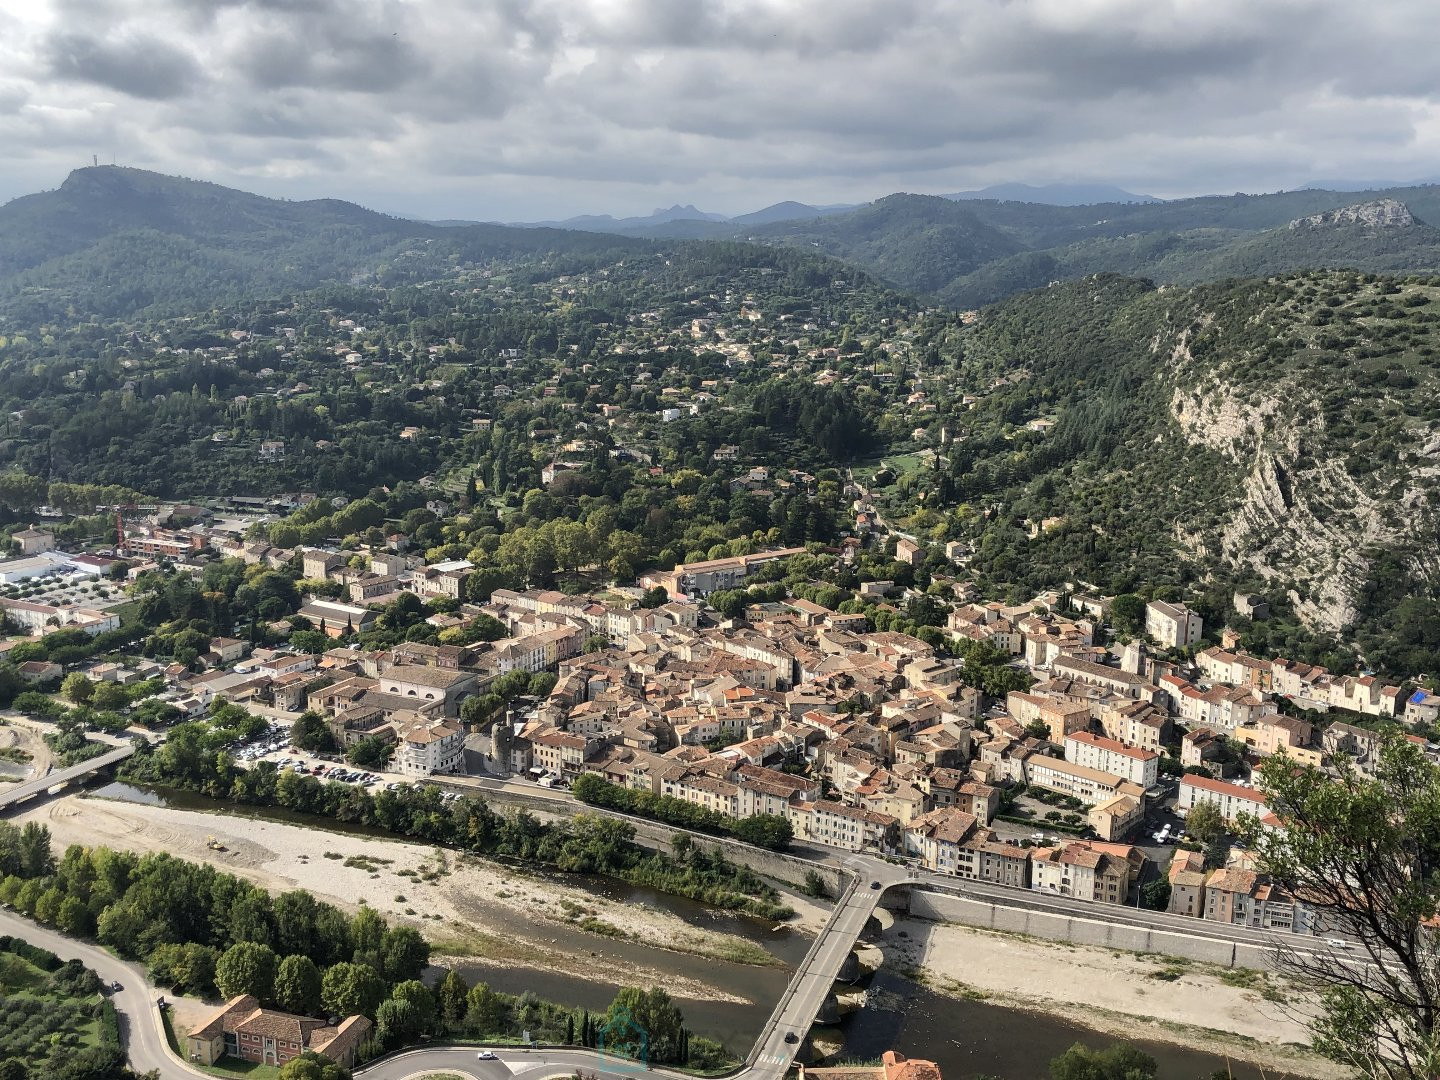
464, 906
24, 735
1252, 1016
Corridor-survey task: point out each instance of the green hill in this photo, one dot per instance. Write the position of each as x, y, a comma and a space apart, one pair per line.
113, 241
976, 252
919, 242
1275, 434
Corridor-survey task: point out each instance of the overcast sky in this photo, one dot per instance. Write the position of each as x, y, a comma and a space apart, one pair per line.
524, 109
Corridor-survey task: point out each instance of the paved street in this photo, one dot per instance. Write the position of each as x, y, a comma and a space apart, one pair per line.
19, 793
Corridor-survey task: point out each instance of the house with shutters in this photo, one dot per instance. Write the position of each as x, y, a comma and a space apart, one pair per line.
241, 1029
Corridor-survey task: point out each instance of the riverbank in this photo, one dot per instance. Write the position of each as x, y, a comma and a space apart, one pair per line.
467, 907
1251, 1016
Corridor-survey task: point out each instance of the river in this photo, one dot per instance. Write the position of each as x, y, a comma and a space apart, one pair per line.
965, 1038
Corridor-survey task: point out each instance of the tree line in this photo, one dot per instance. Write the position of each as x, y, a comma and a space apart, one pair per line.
196, 757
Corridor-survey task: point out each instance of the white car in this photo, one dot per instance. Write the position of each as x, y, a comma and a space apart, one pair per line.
484, 1055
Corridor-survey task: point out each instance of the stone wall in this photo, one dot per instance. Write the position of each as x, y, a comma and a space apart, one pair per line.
946, 907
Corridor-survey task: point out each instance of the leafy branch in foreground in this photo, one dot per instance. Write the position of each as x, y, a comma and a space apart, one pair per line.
1365, 851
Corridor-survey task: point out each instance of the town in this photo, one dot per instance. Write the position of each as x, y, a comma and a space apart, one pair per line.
1023, 745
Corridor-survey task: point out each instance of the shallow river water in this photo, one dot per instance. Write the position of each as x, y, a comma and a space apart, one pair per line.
965, 1038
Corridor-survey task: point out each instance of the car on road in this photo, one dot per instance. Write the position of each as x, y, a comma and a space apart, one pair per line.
485, 1055
874, 884
791, 1037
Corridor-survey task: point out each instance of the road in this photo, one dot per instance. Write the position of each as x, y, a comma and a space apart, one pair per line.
772, 1054
140, 1026
142, 1031
19, 793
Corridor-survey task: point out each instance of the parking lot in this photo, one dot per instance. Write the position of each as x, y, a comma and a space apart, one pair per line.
274, 746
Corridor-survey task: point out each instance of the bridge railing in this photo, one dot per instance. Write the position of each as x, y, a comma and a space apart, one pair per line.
802, 971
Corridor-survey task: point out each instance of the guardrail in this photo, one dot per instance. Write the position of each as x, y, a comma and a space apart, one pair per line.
801, 972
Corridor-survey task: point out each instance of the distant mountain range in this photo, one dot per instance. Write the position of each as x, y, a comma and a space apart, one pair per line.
111, 241
688, 216
1055, 194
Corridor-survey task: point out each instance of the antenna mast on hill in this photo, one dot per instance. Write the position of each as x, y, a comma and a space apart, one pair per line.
95, 160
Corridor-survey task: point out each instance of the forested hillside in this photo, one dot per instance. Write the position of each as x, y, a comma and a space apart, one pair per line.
114, 241
975, 252
1278, 435
660, 400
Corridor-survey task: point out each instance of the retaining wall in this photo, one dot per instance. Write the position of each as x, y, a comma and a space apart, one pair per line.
946, 907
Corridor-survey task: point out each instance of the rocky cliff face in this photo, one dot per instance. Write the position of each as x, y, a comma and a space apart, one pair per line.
1300, 521
1380, 214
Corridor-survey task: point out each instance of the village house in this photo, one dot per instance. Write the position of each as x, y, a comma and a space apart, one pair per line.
1081, 871
1172, 626
33, 541
241, 1029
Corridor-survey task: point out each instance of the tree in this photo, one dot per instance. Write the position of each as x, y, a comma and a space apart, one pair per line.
1204, 823
1117, 1062
418, 996
246, 968
452, 995
310, 641
77, 688
36, 859
311, 1066
351, 989
310, 732
108, 696
484, 1011
297, 985
1365, 852
396, 1022
371, 752
764, 830
403, 954
1155, 895
1127, 614
652, 1012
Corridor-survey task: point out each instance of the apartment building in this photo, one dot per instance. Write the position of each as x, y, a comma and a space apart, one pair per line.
1231, 800
1087, 784
849, 827
1141, 767
427, 747
1172, 626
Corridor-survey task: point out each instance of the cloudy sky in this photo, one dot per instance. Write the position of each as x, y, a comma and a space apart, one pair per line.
523, 109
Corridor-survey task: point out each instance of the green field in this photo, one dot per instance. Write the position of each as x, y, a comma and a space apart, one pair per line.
46, 1018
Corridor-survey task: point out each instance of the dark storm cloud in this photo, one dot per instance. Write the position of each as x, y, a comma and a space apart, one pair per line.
546, 106
138, 64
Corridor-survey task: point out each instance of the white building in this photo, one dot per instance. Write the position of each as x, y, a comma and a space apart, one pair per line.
1231, 800
426, 747
45, 618
1138, 766
1173, 626
1087, 784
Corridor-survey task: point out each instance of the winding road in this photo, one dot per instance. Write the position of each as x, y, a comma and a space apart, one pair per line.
143, 1033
